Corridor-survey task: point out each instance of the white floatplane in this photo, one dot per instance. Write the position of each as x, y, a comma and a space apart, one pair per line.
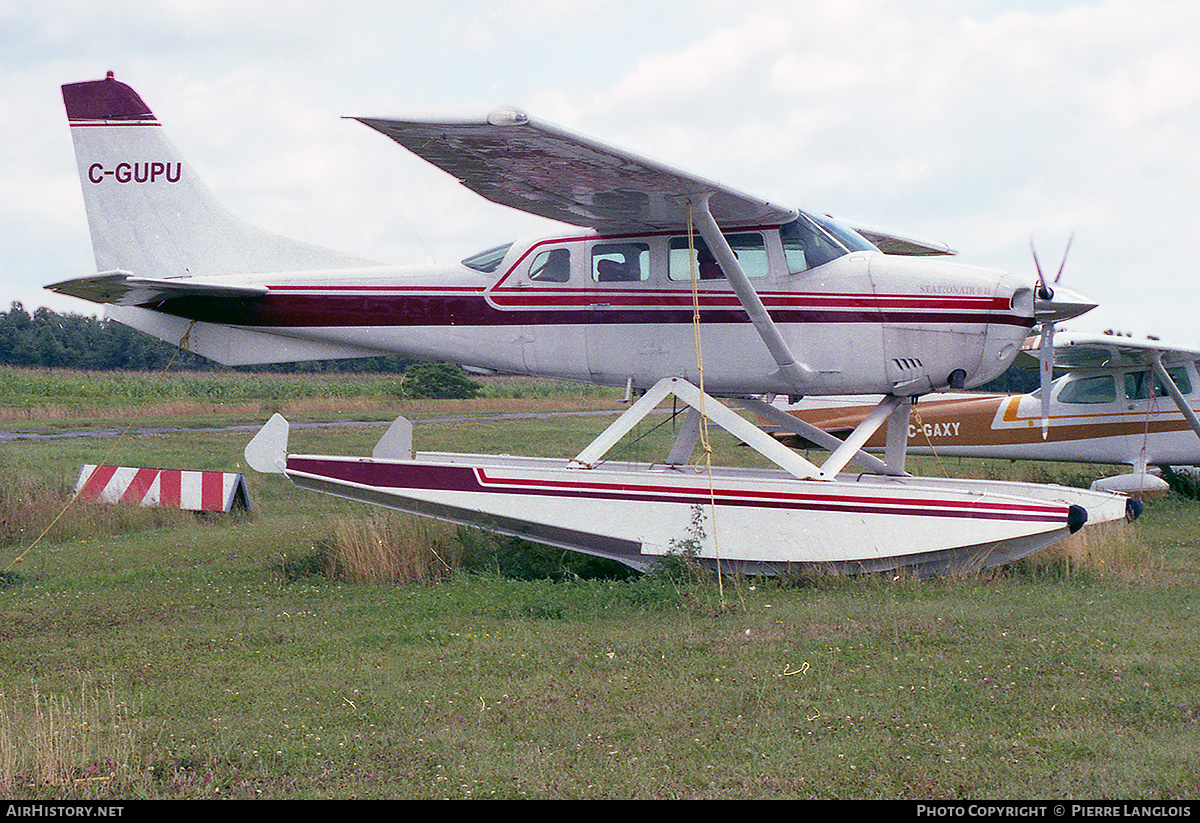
664, 265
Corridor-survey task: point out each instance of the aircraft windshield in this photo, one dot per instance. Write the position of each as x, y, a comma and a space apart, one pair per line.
847, 236
487, 261
810, 241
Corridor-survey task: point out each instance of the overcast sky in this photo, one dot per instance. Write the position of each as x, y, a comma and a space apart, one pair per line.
978, 123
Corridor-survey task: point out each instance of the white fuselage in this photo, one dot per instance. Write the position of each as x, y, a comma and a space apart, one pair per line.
863, 322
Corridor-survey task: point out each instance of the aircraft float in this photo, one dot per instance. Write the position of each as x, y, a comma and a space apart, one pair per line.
1120, 400
669, 284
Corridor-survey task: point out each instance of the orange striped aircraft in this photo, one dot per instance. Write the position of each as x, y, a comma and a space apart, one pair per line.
1119, 400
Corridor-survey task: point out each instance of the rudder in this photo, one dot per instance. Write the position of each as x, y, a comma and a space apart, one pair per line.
149, 213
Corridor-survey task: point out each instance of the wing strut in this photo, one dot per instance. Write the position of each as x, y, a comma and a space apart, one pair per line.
1176, 395
797, 374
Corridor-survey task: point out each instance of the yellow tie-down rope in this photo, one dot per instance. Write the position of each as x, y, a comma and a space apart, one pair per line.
932, 449
183, 344
704, 463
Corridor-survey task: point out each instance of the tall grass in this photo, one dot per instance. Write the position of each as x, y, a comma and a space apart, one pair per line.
33, 508
65, 396
81, 744
22, 388
390, 547
1113, 550
394, 547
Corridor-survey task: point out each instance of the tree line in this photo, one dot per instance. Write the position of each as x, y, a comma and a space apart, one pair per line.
47, 339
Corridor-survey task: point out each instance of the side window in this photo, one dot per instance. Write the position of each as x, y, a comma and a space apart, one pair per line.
620, 262
1100, 388
1137, 383
1182, 380
806, 247
553, 266
749, 248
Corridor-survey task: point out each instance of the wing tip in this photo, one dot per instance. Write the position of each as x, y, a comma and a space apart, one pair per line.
507, 116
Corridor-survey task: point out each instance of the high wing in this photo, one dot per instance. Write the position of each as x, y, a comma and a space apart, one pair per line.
1073, 350
889, 243
527, 164
536, 167
1079, 351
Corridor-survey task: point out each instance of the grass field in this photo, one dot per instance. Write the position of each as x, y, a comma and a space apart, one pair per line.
162, 655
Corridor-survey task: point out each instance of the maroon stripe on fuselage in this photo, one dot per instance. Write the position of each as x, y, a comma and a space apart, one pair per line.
322, 310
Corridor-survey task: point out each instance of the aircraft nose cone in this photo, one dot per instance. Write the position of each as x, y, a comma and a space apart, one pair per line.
1063, 304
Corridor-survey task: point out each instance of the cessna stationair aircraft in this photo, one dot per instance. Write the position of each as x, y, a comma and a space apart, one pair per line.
782, 301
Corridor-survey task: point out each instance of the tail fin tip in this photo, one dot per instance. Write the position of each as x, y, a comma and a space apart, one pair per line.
106, 99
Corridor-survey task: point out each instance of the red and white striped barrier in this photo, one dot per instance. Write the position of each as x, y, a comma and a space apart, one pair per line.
163, 488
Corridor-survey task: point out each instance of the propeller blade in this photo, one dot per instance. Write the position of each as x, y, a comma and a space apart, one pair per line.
1063, 264
1044, 291
1056, 304
1050, 308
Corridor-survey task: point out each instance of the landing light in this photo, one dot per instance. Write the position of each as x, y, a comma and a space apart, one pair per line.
507, 116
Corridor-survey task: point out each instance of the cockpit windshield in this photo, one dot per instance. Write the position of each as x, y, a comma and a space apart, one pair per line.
848, 237
487, 261
810, 241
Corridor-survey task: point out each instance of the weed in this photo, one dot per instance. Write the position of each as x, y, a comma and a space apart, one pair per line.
514, 557
389, 547
8, 579
295, 568
1112, 550
436, 380
85, 744
1183, 481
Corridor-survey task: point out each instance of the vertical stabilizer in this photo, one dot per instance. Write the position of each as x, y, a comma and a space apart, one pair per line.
149, 213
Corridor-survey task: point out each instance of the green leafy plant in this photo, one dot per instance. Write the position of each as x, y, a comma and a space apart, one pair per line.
440, 381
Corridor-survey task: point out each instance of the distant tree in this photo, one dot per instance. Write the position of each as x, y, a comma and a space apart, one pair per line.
438, 380
51, 340
1017, 380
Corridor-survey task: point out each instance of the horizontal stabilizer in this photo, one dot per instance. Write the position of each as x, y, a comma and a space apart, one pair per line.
121, 288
